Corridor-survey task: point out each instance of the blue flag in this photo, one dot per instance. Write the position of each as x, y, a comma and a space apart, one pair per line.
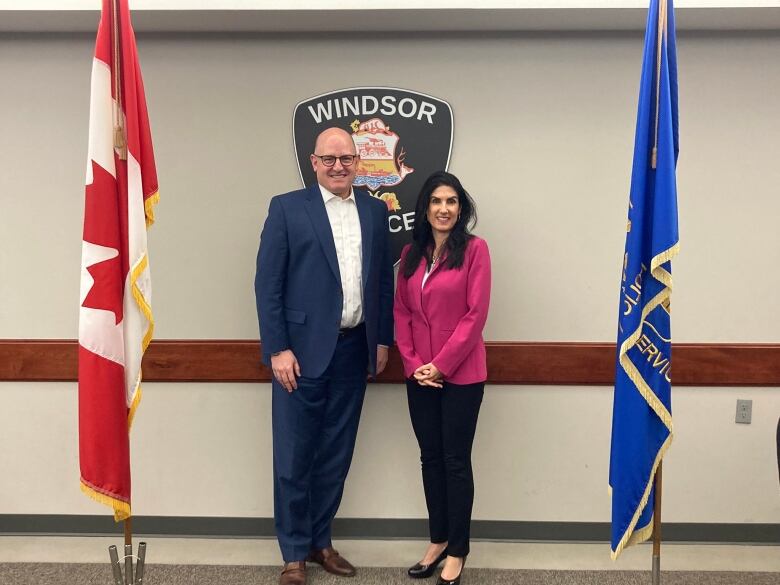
642, 410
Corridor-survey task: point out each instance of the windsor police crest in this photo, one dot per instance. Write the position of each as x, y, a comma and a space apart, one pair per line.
401, 136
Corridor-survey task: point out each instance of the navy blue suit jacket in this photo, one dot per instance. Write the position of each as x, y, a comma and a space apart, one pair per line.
298, 286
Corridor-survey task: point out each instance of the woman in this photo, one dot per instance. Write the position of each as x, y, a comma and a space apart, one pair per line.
441, 305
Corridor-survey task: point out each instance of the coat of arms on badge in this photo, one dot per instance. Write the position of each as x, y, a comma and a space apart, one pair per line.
401, 136
379, 166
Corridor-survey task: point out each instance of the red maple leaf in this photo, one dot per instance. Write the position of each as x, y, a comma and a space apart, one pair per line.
102, 227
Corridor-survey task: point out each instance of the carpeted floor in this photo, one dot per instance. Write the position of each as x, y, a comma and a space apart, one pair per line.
92, 574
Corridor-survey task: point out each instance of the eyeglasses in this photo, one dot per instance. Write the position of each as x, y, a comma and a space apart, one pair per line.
329, 160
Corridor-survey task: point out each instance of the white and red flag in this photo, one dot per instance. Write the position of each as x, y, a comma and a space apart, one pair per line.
115, 314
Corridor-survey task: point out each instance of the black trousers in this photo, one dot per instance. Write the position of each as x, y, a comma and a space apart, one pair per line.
444, 422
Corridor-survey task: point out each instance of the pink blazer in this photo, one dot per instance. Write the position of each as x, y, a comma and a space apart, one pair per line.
442, 322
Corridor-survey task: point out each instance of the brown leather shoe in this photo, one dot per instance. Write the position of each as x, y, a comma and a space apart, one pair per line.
332, 562
293, 573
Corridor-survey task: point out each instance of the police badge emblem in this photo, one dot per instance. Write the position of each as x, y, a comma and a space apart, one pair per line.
401, 136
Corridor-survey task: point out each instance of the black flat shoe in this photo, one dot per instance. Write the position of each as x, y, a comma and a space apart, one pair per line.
420, 571
456, 580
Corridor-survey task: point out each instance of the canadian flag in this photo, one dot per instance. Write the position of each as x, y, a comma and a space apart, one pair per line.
115, 313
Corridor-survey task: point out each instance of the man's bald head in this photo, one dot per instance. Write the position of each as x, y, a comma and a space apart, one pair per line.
338, 178
331, 135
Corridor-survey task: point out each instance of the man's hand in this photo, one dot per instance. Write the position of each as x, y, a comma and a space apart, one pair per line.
428, 375
285, 368
381, 358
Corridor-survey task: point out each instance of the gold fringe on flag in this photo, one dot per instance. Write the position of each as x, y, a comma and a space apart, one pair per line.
149, 204
121, 508
663, 276
647, 531
143, 305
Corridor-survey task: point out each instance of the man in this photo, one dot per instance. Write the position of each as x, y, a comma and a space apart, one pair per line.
324, 289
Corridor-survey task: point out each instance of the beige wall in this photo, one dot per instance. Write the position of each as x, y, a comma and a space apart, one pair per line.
541, 453
552, 198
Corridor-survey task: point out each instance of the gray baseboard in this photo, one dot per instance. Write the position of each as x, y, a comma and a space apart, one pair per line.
374, 528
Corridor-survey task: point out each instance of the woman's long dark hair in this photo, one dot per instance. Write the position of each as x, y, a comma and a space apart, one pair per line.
422, 234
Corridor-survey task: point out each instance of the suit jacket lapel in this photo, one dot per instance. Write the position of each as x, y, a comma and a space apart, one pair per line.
315, 208
366, 233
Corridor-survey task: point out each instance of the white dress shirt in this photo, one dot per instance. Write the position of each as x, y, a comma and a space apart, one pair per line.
345, 225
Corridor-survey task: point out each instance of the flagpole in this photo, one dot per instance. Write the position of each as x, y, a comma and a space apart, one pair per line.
128, 526
654, 160
120, 145
120, 140
657, 527
658, 474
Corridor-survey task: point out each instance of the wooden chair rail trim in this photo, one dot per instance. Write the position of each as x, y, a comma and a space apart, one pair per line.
509, 362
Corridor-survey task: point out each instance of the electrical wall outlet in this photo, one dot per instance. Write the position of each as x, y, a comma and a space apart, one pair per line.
744, 411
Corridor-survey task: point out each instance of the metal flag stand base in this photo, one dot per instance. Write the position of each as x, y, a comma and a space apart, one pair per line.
129, 577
